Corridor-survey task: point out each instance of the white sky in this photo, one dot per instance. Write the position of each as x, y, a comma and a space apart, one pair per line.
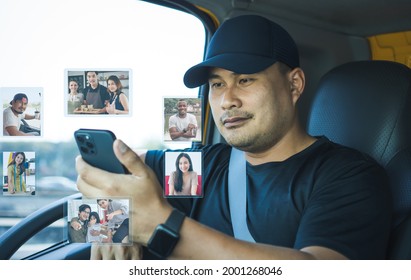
42, 39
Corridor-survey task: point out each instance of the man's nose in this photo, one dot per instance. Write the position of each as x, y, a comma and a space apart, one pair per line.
230, 99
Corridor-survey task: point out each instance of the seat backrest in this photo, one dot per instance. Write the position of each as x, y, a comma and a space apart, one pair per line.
366, 105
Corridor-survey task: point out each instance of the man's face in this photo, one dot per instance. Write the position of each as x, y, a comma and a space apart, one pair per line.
19, 106
182, 108
83, 215
252, 111
92, 79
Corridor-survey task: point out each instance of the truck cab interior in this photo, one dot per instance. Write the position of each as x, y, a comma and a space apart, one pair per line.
356, 56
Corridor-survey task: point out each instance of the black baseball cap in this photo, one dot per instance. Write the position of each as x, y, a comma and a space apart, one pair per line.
245, 45
19, 96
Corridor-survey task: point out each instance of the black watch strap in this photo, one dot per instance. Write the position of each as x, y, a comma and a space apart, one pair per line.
175, 220
166, 236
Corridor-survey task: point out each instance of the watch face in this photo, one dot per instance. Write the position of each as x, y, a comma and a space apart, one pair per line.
163, 241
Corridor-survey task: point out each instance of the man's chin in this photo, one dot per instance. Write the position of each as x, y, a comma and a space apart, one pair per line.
244, 141
238, 141
17, 112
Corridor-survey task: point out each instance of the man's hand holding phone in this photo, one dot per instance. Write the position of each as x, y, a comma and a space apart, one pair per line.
149, 208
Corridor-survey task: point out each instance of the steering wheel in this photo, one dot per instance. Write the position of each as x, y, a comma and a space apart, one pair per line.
19, 234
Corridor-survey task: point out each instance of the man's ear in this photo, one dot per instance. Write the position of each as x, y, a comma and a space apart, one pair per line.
297, 83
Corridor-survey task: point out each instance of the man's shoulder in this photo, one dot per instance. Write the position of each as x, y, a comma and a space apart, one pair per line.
216, 154
173, 117
85, 90
103, 89
334, 158
329, 149
10, 119
192, 117
7, 110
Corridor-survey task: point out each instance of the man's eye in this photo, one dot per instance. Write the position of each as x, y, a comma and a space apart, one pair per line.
216, 85
246, 80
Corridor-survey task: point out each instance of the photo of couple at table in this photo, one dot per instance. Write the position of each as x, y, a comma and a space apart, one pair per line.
98, 92
100, 220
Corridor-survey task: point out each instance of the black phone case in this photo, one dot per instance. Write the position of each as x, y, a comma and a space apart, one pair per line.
96, 148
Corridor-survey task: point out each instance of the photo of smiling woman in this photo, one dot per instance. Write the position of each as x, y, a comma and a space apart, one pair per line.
16, 174
118, 103
183, 180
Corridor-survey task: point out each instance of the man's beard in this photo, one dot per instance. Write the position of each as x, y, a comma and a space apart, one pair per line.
257, 141
250, 143
17, 112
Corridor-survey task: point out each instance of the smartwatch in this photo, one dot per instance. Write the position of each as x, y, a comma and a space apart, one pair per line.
166, 236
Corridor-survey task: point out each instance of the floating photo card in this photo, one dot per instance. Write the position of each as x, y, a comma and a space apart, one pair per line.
22, 111
99, 220
183, 174
182, 119
98, 92
19, 173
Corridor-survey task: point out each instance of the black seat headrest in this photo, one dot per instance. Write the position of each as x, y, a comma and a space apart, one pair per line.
365, 105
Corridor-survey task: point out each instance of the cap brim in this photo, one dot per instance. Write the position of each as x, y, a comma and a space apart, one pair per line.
238, 63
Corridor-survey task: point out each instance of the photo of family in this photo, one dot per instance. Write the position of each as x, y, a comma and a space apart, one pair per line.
182, 119
21, 111
100, 220
19, 173
183, 174
97, 92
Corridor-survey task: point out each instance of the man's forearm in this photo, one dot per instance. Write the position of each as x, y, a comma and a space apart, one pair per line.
211, 244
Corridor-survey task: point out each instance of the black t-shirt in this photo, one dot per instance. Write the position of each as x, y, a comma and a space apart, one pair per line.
327, 195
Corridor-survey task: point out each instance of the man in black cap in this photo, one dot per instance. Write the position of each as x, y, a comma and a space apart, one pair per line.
13, 115
304, 197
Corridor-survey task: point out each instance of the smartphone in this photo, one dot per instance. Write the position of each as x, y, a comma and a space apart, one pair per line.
96, 148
